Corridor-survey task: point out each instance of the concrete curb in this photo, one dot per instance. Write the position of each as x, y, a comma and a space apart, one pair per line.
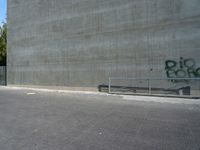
123, 97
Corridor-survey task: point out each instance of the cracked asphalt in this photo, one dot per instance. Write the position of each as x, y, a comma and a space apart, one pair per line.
39, 120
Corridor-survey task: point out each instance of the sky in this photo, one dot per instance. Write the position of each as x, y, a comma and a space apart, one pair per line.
2, 11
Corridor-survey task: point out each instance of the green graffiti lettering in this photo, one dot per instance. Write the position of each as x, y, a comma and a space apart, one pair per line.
184, 68
191, 72
198, 72
170, 64
189, 63
181, 62
171, 73
180, 73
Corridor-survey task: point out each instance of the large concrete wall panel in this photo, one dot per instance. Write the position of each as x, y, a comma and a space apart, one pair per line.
81, 43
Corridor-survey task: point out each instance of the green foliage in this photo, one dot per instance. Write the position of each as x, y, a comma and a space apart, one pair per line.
3, 44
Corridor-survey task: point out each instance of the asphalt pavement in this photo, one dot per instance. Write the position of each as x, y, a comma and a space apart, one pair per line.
47, 120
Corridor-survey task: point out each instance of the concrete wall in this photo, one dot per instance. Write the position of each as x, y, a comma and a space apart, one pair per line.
80, 43
2, 75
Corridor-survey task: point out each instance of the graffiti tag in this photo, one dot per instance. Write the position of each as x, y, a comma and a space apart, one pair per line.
184, 68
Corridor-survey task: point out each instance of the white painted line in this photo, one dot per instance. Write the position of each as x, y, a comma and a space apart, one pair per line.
30, 93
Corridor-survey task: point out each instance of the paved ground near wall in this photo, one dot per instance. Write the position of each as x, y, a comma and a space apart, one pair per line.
43, 120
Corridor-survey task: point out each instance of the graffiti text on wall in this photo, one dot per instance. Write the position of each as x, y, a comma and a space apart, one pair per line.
184, 68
